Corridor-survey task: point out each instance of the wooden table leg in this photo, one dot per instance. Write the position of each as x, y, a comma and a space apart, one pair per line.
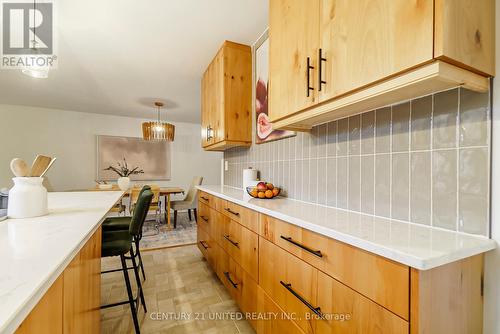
168, 211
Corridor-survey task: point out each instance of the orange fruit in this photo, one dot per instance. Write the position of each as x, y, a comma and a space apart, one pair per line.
261, 194
269, 186
276, 191
254, 192
269, 193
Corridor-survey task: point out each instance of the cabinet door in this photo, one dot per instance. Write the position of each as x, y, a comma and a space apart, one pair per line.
293, 38
346, 311
365, 41
290, 282
217, 98
204, 109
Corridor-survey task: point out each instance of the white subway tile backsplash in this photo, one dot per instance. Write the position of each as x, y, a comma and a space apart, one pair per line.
424, 161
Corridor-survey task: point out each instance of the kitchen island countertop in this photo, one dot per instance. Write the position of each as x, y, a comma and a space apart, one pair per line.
35, 251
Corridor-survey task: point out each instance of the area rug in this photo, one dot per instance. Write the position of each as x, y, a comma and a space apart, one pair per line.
184, 234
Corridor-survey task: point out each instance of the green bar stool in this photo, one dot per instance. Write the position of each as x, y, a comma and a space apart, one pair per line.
120, 243
123, 224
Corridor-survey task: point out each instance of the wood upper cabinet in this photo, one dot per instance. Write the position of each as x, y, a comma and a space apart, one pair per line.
364, 41
293, 44
226, 98
367, 54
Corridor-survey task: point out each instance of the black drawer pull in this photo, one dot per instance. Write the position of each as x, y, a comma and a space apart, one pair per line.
231, 241
312, 251
204, 244
228, 277
309, 67
232, 212
316, 310
205, 198
204, 218
321, 59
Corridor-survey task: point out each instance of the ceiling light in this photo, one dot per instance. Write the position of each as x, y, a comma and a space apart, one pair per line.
158, 130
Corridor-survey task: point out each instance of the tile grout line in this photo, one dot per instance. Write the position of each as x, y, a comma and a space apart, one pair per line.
457, 143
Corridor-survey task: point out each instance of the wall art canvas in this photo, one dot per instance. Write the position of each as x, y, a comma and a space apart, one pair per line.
264, 131
153, 157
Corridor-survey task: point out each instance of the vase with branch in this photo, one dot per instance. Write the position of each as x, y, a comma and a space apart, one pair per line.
124, 173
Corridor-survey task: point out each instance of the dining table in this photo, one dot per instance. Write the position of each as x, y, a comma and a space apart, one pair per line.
167, 192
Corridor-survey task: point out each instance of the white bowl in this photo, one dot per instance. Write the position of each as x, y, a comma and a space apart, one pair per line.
105, 186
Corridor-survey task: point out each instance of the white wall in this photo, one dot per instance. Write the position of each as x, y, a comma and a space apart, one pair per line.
71, 137
492, 264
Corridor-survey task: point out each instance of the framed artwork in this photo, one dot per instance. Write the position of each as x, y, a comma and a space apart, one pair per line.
264, 131
153, 157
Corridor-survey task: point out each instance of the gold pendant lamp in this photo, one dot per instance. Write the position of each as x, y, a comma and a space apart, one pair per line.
158, 130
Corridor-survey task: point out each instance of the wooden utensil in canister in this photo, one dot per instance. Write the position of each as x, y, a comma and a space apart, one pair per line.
40, 165
48, 167
19, 167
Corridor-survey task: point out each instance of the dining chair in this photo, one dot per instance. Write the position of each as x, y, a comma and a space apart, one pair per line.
189, 202
120, 243
155, 203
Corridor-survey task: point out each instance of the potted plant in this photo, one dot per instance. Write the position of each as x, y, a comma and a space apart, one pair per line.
122, 170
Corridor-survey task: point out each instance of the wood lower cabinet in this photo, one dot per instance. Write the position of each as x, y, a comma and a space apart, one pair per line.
47, 316
346, 311
291, 280
330, 59
388, 284
226, 99
273, 318
72, 303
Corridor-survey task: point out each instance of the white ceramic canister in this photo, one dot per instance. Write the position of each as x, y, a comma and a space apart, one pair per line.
28, 198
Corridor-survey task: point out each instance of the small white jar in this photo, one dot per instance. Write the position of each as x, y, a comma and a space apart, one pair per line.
28, 198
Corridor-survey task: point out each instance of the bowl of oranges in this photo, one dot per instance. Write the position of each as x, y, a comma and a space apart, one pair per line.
263, 190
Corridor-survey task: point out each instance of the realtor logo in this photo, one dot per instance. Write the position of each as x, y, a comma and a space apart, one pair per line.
27, 34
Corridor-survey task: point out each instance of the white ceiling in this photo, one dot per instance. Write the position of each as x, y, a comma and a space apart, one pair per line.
118, 56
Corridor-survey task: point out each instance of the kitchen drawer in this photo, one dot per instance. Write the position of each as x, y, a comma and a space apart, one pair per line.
290, 282
208, 220
240, 285
204, 219
346, 311
244, 216
208, 247
205, 198
384, 281
241, 244
276, 320
210, 200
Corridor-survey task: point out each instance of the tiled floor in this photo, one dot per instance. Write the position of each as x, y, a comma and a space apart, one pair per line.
179, 281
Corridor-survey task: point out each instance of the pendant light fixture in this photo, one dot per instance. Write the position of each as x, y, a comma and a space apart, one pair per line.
34, 70
158, 130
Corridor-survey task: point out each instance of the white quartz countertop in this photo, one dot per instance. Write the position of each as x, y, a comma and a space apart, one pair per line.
35, 251
418, 246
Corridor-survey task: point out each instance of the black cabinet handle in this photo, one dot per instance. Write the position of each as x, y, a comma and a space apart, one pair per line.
232, 212
231, 241
228, 277
316, 310
321, 59
204, 218
307, 249
205, 198
308, 70
204, 244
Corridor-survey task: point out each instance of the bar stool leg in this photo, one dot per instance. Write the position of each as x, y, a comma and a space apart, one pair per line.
130, 296
138, 279
137, 249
